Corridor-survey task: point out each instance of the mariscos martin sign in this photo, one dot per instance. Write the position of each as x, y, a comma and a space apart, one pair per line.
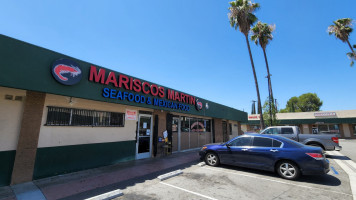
125, 88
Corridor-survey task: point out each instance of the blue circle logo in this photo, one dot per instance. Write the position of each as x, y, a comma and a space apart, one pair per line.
66, 72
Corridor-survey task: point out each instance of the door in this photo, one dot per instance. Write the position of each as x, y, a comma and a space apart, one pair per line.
144, 139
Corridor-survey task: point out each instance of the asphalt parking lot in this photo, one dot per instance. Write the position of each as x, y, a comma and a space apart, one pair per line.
229, 182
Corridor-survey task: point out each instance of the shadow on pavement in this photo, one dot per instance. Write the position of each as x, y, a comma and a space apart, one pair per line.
338, 157
124, 184
326, 179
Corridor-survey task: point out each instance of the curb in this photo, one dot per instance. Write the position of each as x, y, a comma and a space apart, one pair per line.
170, 174
106, 196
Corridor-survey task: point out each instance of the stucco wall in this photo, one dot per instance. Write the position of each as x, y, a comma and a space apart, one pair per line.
73, 135
10, 118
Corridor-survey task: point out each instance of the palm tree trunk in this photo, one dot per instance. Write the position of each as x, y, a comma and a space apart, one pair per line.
350, 47
262, 124
271, 100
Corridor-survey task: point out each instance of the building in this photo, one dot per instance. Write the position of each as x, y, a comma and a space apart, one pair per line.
342, 122
60, 115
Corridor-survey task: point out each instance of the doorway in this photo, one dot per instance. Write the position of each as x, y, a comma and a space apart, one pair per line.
144, 136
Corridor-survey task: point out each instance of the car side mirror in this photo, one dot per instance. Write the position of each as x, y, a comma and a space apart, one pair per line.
228, 145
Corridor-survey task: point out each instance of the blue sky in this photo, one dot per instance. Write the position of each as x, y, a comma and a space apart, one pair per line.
188, 45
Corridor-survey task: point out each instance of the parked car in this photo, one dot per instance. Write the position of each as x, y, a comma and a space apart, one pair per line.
274, 153
329, 142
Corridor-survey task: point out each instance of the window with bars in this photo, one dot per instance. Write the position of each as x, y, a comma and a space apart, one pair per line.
58, 116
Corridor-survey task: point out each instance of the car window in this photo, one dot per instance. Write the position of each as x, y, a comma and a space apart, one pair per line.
287, 131
241, 141
270, 131
262, 142
276, 143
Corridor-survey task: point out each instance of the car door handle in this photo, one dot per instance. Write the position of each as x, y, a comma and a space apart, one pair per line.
244, 149
273, 150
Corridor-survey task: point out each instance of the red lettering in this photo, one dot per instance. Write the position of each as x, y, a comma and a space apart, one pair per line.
131, 79
137, 85
182, 97
187, 97
124, 80
161, 92
192, 100
144, 84
111, 79
170, 94
100, 77
177, 96
154, 87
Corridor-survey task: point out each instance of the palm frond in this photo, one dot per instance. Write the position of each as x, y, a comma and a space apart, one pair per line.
263, 33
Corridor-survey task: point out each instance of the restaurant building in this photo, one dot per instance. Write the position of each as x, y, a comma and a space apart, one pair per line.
61, 115
342, 122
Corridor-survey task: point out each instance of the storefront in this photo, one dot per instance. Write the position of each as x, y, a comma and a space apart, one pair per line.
61, 114
342, 122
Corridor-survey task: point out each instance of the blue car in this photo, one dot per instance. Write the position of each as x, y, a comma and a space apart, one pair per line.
274, 153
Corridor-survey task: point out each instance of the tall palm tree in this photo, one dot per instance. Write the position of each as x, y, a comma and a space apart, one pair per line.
352, 56
262, 34
241, 16
342, 29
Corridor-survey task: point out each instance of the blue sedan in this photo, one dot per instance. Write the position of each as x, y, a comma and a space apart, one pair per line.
274, 153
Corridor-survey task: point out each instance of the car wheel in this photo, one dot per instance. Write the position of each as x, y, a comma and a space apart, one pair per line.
288, 170
212, 159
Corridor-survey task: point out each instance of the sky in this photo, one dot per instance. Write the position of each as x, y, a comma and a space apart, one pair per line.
188, 45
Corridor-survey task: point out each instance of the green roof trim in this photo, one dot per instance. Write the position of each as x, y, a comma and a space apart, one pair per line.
26, 66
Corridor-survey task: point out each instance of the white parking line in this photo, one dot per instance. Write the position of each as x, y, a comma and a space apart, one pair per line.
187, 191
348, 170
283, 182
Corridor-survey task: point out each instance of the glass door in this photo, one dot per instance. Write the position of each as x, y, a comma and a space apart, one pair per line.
144, 139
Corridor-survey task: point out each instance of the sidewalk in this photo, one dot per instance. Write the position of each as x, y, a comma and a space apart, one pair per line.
93, 182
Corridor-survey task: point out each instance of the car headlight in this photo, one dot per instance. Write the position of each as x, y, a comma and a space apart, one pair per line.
203, 148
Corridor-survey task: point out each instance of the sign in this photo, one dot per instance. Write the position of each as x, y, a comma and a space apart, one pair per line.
66, 72
254, 117
324, 114
131, 114
198, 105
122, 87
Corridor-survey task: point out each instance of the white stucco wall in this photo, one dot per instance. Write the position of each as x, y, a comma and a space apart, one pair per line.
10, 118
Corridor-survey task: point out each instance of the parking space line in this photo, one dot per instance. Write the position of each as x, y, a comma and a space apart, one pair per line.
187, 191
334, 170
349, 171
283, 182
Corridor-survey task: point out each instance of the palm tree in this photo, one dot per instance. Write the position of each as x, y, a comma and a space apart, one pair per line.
352, 56
241, 16
342, 29
262, 34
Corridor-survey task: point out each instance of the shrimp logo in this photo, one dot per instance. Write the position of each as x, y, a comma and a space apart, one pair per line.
66, 72
198, 105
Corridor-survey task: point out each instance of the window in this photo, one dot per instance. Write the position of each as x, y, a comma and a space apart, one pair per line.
287, 131
184, 124
354, 128
277, 143
58, 116
262, 142
241, 141
271, 131
207, 125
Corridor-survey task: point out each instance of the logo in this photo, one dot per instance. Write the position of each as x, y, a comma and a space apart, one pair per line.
198, 105
66, 72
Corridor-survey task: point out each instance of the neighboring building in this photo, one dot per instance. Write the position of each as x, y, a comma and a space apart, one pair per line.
60, 115
342, 122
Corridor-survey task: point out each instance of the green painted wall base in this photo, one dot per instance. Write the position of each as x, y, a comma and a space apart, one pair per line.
53, 161
7, 159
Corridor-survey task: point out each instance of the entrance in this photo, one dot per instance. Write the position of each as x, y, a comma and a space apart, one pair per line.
144, 139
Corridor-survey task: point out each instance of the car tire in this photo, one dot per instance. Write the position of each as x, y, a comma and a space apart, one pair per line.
288, 170
212, 159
